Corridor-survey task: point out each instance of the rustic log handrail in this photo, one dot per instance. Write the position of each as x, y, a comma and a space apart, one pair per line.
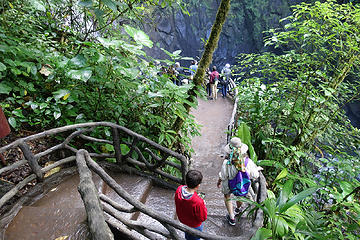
98, 228
162, 218
151, 170
232, 123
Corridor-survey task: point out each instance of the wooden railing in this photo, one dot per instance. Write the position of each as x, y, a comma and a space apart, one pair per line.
148, 230
129, 147
232, 123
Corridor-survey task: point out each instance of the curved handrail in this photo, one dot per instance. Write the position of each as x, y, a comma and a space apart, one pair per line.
165, 220
157, 155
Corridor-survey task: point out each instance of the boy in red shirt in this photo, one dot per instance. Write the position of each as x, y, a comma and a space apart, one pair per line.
190, 208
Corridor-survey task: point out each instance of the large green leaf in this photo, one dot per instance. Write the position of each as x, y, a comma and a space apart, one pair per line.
143, 39
310, 182
262, 234
85, 3
130, 72
82, 74
130, 30
110, 4
60, 93
270, 206
244, 134
5, 88
139, 36
285, 193
38, 5
133, 49
281, 175
270, 163
107, 42
99, 15
12, 122
2, 67
297, 198
280, 225
124, 149
78, 61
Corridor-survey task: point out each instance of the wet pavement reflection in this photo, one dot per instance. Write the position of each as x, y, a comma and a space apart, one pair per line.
61, 213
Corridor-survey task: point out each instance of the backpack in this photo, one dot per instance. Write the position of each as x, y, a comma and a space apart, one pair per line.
226, 73
223, 81
240, 184
214, 76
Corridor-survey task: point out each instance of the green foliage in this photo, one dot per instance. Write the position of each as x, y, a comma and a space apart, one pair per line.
293, 103
63, 62
284, 215
243, 132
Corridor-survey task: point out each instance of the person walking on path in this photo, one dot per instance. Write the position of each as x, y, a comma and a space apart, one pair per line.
239, 162
190, 207
193, 67
225, 75
214, 78
179, 72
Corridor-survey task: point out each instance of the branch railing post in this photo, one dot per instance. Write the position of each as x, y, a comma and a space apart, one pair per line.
116, 144
232, 123
95, 215
32, 160
89, 192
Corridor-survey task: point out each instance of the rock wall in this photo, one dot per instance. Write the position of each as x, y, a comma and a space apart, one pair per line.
242, 32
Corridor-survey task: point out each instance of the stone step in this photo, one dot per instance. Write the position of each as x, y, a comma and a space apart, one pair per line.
136, 186
162, 201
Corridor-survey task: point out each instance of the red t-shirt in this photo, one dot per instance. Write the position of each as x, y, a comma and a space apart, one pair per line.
191, 210
213, 77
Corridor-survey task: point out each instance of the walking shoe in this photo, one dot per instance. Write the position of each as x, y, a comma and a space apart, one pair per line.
237, 211
230, 221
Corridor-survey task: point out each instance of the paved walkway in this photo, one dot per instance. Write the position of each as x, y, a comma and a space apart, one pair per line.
60, 212
208, 157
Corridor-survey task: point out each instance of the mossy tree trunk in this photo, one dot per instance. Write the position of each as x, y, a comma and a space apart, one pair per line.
206, 58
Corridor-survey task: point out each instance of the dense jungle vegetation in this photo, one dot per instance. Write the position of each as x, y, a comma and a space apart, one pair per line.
292, 102
65, 62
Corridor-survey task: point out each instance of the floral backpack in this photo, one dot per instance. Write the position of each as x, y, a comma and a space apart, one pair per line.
240, 184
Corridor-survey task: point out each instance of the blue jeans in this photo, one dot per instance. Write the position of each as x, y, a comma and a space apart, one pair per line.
191, 237
224, 90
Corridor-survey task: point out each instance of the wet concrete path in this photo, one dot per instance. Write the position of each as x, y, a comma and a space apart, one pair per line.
61, 213
214, 116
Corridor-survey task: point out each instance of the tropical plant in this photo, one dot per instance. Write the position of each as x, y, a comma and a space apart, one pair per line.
292, 98
284, 215
64, 65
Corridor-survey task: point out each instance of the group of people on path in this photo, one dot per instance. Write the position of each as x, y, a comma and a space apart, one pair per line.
190, 206
180, 75
214, 78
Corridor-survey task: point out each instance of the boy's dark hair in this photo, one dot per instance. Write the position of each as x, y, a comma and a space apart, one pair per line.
193, 178
214, 68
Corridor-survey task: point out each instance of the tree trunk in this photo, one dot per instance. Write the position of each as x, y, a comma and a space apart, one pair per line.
206, 57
